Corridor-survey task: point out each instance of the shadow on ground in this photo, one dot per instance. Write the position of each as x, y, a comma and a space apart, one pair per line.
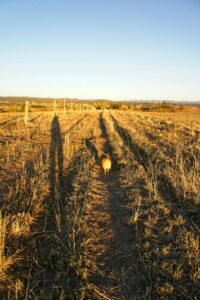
117, 263
165, 187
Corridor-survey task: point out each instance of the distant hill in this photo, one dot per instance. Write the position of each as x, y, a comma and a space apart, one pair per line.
21, 99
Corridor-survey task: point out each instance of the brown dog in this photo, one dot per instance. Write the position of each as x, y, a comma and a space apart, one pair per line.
106, 163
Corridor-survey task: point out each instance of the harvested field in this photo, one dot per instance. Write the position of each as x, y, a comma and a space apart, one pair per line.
69, 231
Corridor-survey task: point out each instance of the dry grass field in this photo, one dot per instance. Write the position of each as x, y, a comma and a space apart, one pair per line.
69, 231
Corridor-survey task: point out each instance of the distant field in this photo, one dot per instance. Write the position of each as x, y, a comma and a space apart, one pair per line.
69, 231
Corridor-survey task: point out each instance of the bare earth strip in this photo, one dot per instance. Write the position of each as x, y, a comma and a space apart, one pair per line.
109, 240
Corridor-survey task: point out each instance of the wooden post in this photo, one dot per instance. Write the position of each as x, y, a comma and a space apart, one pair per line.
64, 106
54, 109
26, 112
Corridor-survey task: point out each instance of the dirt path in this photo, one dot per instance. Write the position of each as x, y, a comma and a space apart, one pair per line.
109, 240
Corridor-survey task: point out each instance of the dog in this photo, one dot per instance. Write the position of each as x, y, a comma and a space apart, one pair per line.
106, 163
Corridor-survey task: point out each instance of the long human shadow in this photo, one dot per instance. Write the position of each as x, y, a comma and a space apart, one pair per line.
56, 160
51, 252
57, 203
165, 187
50, 234
60, 183
56, 155
52, 246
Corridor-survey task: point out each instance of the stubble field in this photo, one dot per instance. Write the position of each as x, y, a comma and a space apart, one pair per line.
69, 231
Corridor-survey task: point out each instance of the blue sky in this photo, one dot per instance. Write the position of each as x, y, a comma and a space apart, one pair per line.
116, 49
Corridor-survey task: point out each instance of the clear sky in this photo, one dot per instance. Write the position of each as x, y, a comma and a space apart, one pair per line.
116, 49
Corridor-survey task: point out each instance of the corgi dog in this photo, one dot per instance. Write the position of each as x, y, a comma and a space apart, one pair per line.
106, 163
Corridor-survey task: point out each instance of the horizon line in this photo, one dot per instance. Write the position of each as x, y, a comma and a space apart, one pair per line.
99, 99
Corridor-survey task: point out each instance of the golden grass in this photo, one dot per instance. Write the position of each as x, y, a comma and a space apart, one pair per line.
46, 198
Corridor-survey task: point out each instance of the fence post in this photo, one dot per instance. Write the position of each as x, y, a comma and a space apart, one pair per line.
26, 112
64, 106
54, 109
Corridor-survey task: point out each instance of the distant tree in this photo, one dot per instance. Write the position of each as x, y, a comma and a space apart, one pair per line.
165, 105
124, 107
114, 106
102, 105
